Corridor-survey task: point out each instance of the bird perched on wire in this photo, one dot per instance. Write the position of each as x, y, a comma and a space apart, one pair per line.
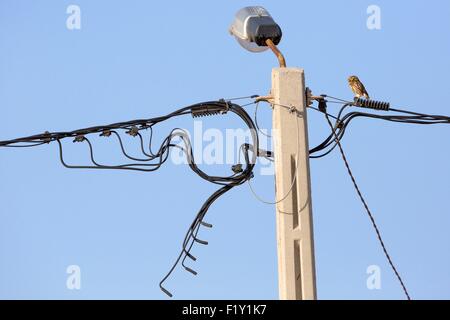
357, 87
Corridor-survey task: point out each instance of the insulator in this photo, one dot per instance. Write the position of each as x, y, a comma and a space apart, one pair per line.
372, 104
199, 113
208, 110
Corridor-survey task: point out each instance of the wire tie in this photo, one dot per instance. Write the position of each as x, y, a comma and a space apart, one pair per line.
79, 138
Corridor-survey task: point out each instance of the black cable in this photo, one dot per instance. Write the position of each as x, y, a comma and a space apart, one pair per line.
342, 122
329, 141
25, 146
338, 130
369, 213
154, 160
134, 127
228, 183
317, 109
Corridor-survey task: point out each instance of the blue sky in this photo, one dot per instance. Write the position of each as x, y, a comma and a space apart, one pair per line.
139, 59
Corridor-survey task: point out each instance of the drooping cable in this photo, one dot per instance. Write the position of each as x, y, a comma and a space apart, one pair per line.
153, 160
369, 213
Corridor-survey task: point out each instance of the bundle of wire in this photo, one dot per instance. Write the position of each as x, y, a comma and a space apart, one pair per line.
337, 132
341, 122
152, 161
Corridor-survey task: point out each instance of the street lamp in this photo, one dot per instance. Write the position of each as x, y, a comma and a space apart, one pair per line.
256, 31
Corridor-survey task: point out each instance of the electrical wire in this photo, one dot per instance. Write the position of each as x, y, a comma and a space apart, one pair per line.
153, 160
337, 132
294, 178
343, 120
284, 197
369, 213
243, 98
256, 121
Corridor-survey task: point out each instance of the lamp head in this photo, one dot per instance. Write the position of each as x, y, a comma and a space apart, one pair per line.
252, 26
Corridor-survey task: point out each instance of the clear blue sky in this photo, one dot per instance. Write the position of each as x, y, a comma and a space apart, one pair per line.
136, 59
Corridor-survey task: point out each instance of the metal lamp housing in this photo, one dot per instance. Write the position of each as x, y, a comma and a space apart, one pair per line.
252, 26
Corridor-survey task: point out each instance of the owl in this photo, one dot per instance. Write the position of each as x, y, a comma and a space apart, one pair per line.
357, 87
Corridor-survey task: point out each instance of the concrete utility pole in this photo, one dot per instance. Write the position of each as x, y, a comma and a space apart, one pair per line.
255, 30
296, 266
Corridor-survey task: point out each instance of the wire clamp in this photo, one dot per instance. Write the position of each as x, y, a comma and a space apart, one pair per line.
292, 109
133, 131
237, 168
322, 105
339, 124
227, 106
310, 98
47, 137
105, 133
79, 138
